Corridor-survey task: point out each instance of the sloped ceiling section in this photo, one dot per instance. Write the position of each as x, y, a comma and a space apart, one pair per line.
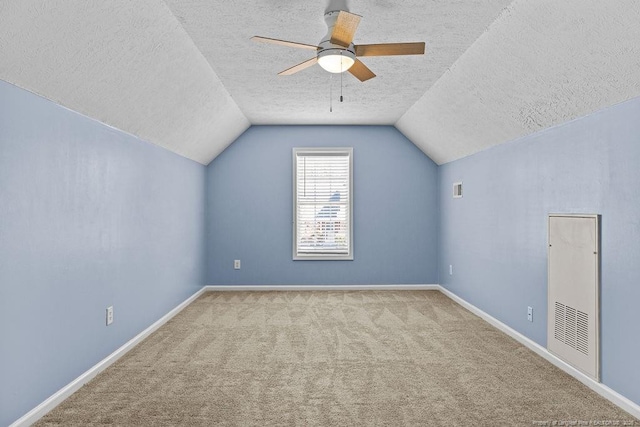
128, 64
541, 63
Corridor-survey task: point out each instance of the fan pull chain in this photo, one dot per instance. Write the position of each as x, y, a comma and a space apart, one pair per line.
341, 73
330, 92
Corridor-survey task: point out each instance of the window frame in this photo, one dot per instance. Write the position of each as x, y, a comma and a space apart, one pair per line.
297, 256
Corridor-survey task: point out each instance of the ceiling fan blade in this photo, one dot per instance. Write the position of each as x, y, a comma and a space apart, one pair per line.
360, 71
345, 28
301, 66
284, 42
386, 49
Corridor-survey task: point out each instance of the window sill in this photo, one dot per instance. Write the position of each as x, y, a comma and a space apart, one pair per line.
323, 257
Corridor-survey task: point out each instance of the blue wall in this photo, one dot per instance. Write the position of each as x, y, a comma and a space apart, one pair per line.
496, 235
89, 217
250, 209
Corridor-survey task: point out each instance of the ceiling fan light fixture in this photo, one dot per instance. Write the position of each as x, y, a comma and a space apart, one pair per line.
336, 52
336, 60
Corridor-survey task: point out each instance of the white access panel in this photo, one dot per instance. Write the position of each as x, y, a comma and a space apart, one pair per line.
573, 291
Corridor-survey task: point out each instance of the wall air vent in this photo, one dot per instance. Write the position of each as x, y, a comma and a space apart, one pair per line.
572, 327
574, 280
457, 190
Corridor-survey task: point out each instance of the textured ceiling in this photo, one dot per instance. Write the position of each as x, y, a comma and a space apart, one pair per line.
249, 70
541, 63
184, 75
129, 64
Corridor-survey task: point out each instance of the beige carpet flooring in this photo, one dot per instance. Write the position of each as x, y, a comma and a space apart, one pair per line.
386, 358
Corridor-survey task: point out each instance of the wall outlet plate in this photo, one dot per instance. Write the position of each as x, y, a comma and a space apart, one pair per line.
109, 315
236, 264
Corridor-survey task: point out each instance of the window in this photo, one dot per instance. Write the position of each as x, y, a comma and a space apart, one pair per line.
322, 203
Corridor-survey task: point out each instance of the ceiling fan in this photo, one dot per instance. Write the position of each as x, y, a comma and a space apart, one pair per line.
336, 52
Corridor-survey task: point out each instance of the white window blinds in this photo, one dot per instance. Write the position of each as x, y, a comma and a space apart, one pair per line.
322, 203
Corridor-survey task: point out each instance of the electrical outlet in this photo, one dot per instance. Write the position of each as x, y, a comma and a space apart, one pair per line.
450, 270
530, 314
109, 315
236, 264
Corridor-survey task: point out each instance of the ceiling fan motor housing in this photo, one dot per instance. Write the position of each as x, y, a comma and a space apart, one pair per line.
330, 19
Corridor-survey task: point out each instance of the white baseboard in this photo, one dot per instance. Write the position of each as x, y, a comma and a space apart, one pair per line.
322, 287
604, 391
42, 409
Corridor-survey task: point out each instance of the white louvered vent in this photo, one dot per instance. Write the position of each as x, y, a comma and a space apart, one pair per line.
582, 332
457, 190
572, 327
559, 325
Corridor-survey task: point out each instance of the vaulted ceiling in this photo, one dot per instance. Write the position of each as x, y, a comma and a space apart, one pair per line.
184, 75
